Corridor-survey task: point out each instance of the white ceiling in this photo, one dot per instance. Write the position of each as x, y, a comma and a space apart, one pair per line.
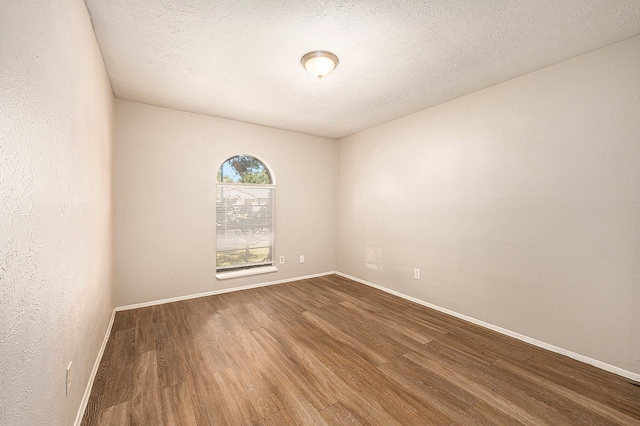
240, 59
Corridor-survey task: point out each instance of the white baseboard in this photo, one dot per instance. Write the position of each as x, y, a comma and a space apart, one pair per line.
214, 292
599, 364
96, 365
602, 365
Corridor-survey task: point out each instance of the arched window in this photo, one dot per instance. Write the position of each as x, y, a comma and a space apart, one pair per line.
244, 217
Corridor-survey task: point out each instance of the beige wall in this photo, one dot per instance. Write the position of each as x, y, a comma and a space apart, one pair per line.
56, 291
165, 174
520, 204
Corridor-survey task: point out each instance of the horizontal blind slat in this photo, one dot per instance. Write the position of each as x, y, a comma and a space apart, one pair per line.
244, 226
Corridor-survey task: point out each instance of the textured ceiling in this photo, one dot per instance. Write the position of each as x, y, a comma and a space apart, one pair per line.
240, 59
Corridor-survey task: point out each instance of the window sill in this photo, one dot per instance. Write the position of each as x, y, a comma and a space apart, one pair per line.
246, 272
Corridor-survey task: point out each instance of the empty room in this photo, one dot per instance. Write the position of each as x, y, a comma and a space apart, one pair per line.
319, 212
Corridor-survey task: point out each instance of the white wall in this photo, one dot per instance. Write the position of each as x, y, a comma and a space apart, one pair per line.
56, 291
165, 174
520, 204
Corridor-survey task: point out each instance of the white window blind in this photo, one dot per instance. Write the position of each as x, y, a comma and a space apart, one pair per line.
244, 226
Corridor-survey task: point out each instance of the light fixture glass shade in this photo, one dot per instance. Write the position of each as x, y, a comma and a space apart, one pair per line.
319, 63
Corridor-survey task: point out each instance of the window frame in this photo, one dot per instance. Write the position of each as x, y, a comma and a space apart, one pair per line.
240, 271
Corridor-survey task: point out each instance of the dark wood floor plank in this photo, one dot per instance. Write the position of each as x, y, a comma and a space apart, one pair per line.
349, 315
177, 405
493, 342
205, 397
587, 380
215, 322
295, 296
341, 382
399, 342
124, 320
387, 302
331, 351
424, 325
205, 355
175, 318
245, 357
262, 318
458, 378
236, 406
162, 334
197, 306
146, 399
338, 293
261, 297
381, 396
479, 374
115, 415
289, 303
407, 327
98, 394
280, 418
436, 402
434, 388
314, 388
366, 410
339, 318
383, 345
337, 414
295, 325
351, 287
325, 296
335, 333
483, 414
145, 335
259, 392
582, 402
288, 393
118, 385
241, 317
438, 319
565, 407
460, 354
368, 322
173, 367
545, 407
468, 349
217, 302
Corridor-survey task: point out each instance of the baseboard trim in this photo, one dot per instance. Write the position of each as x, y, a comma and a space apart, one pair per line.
582, 358
594, 362
214, 292
92, 377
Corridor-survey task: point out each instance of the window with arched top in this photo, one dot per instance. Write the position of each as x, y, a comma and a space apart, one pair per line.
244, 217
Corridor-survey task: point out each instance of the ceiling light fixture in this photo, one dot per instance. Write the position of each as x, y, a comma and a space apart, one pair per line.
319, 63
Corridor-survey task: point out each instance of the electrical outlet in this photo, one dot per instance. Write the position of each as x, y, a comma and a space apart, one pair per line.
302, 258
416, 274
68, 385
281, 260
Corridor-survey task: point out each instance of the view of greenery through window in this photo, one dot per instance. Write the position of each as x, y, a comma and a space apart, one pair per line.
244, 169
244, 214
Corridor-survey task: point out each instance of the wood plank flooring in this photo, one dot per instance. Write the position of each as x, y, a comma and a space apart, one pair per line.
330, 351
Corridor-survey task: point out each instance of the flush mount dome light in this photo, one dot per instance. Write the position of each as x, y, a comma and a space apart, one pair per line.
319, 63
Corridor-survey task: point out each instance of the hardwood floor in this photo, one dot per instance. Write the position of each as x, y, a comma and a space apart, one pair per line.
332, 351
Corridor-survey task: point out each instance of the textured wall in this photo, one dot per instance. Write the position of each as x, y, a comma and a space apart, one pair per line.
56, 114
165, 175
520, 204
240, 59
